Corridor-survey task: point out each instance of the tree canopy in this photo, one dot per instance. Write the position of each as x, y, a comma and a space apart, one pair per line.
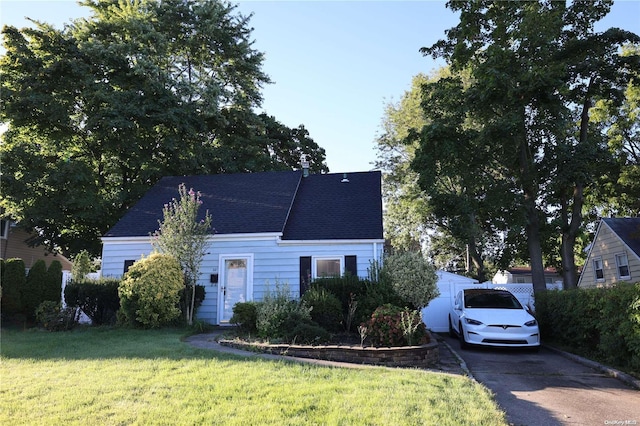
98, 111
537, 68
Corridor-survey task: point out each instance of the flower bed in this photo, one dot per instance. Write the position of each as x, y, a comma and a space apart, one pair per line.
400, 356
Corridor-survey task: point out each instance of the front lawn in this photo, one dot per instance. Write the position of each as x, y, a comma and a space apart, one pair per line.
103, 376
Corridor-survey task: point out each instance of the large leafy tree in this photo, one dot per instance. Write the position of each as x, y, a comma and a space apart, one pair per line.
618, 190
537, 68
98, 111
461, 207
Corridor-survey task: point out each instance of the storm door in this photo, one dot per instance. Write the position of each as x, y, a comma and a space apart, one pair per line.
235, 285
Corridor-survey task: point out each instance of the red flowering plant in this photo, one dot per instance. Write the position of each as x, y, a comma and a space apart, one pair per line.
394, 326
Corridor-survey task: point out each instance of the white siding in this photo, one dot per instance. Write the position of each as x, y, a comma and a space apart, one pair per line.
274, 261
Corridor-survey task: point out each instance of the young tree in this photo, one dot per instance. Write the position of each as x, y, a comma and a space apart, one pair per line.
184, 234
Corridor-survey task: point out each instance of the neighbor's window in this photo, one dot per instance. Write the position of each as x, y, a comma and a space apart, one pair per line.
597, 268
328, 267
623, 265
4, 228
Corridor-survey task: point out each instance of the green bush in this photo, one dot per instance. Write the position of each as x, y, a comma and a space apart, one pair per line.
412, 277
53, 283
600, 322
275, 309
308, 334
53, 317
150, 291
341, 287
386, 328
377, 293
245, 316
359, 298
98, 299
326, 309
13, 280
33, 290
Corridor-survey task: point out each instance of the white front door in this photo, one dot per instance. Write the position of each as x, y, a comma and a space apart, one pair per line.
235, 285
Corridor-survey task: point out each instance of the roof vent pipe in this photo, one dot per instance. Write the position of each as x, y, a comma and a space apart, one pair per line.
305, 165
344, 179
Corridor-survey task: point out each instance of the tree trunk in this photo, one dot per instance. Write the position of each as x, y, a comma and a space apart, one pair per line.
192, 303
530, 189
570, 229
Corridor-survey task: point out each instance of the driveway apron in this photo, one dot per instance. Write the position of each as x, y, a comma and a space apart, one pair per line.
546, 388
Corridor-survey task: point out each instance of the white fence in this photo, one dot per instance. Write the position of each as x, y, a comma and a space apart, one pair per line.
436, 315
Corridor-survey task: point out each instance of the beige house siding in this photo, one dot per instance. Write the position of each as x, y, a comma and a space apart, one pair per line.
605, 247
14, 246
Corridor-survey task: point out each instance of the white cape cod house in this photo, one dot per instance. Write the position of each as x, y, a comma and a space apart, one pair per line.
270, 227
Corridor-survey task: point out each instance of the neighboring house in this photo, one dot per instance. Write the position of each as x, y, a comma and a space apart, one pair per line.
614, 254
13, 245
271, 228
522, 275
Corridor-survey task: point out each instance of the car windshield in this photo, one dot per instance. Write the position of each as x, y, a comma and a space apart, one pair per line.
491, 300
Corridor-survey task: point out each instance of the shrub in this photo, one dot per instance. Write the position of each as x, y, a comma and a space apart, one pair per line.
377, 293
385, 328
599, 322
149, 292
53, 317
13, 281
326, 309
245, 316
341, 287
32, 292
98, 299
53, 282
274, 309
308, 334
412, 277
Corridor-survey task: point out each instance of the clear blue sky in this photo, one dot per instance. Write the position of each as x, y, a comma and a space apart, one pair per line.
334, 64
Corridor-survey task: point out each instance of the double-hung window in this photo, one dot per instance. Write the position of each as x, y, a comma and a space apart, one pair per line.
598, 270
328, 266
622, 263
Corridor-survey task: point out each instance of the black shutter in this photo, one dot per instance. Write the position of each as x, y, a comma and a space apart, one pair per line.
305, 273
351, 265
127, 265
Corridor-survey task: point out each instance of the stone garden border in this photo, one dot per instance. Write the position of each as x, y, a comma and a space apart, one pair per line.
401, 356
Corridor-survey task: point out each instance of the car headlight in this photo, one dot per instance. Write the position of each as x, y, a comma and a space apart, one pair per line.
472, 321
531, 323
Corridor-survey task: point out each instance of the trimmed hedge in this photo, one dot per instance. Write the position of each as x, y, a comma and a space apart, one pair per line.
98, 299
13, 281
600, 322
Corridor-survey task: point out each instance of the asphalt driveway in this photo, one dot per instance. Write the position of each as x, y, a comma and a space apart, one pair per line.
546, 388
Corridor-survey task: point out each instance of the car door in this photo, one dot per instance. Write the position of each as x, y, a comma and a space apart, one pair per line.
456, 311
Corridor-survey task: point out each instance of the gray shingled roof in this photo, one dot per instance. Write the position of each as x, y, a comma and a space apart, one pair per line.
327, 208
628, 229
313, 208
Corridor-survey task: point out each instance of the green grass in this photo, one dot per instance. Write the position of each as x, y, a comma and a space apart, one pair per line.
102, 376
